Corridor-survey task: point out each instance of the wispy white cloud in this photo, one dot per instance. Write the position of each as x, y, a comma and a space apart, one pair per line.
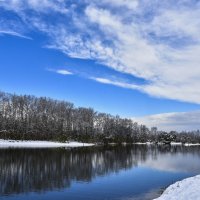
61, 71
179, 121
157, 41
40, 6
115, 82
130, 4
5, 32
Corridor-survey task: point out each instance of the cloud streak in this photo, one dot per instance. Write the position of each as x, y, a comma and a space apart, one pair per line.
115, 82
61, 71
12, 33
156, 41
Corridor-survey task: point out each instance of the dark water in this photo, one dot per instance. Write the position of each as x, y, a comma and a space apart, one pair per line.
112, 173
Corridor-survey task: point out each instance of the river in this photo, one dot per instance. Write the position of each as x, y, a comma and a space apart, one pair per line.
135, 172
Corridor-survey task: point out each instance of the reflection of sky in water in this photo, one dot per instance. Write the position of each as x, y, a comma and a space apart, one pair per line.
112, 174
174, 163
135, 184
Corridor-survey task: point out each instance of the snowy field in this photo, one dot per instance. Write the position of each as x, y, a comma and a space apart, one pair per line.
39, 144
187, 189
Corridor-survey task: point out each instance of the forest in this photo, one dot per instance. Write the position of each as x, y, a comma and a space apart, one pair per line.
26, 117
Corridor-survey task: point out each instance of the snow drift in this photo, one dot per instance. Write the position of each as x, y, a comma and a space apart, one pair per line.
187, 189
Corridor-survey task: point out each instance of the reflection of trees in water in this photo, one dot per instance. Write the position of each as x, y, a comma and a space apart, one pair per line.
26, 170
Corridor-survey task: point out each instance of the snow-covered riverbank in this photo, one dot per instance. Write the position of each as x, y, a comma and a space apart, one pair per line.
40, 144
172, 143
187, 189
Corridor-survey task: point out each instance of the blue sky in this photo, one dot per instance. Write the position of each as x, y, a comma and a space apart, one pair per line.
126, 57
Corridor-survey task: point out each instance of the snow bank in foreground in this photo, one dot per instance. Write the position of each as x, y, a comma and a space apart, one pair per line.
39, 144
187, 189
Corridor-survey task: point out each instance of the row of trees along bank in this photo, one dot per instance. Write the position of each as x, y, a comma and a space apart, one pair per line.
25, 117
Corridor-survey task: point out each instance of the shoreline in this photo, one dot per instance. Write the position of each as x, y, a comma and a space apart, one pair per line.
187, 189
172, 144
70, 144
40, 144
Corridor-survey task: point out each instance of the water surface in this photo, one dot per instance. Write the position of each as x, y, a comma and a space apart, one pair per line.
101, 173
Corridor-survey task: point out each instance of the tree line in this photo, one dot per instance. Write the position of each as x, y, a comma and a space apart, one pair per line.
26, 117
